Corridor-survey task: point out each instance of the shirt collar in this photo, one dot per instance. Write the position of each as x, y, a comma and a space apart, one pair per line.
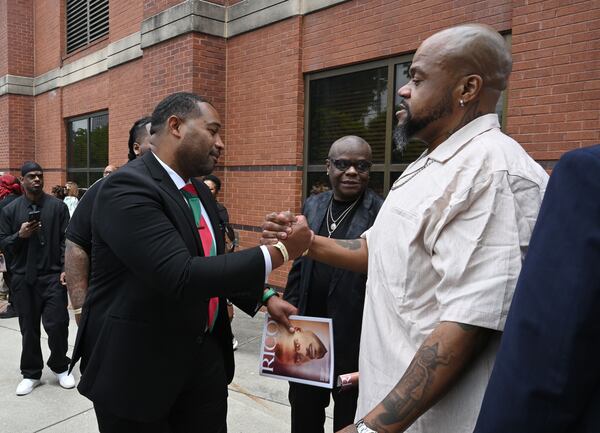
456, 141
177, 180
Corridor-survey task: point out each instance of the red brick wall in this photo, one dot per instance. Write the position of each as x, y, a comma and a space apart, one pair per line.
125, 18
49, 35
265, 103
191, 63
86, 96
363, 30
50, 137
554, 99
16, 131
3, 40
126, 96
17, 19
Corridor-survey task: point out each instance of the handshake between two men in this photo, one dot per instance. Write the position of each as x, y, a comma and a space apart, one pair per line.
294, 233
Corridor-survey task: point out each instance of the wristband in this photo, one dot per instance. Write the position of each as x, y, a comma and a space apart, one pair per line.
283, 250
268, 294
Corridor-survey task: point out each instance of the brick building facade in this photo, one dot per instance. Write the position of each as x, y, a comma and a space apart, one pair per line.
256, 61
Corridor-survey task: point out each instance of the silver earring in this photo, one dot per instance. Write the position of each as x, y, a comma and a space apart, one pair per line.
461, 103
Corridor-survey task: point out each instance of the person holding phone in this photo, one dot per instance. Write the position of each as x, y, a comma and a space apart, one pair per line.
32, 232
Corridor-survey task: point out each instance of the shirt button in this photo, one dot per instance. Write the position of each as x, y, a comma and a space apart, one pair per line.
200, 339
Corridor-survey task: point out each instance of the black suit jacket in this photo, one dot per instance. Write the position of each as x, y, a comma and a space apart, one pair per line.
147, 263
346, 289
547, 373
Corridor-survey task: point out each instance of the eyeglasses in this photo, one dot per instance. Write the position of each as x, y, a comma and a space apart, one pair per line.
362, 165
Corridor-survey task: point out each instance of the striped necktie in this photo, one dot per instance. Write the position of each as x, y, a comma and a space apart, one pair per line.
208, 243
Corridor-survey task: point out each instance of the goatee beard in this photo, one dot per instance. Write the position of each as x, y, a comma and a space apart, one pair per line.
404, 133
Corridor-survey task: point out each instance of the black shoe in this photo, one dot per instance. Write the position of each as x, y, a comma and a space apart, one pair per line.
9, 312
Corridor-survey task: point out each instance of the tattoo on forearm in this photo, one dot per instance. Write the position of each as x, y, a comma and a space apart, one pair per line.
404, 399
349, 244
76, 270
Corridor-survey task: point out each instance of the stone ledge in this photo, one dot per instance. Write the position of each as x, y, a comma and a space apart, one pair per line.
189, 16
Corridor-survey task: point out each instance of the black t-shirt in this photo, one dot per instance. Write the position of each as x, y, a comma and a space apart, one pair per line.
79, 230
321, 274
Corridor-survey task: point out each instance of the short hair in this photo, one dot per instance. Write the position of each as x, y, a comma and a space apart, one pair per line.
214, 179
182, 104
135, 135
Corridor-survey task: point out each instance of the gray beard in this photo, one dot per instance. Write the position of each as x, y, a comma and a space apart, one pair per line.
400, 139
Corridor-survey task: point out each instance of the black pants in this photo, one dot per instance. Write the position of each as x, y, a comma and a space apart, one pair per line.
7, 280
308, 405
201, 407
45, 300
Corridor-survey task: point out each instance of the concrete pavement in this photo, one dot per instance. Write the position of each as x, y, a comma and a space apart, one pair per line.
256, 404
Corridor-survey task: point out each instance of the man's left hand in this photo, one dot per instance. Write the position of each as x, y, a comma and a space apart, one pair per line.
350, 429
280, 310
63, 279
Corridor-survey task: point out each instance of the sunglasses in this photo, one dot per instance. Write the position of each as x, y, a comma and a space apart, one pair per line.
362, 166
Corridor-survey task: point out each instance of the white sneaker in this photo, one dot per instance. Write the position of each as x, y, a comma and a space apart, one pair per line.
66, 380
26, 386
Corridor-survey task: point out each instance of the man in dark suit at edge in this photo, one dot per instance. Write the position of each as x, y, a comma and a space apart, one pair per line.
163, 358
546, 377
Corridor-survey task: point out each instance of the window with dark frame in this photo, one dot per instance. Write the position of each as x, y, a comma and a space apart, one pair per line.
86, 21
360, 100
87, 148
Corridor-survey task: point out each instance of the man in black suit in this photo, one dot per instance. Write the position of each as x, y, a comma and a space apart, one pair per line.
321, 290
546, 377
163, 358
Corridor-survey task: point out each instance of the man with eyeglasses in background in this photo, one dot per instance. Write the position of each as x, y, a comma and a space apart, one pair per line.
320, 290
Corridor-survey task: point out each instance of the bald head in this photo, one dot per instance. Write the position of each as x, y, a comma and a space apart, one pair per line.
473, 49
350, 143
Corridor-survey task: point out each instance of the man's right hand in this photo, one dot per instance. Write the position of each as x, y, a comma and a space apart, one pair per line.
299, 238
277, 226
28, 228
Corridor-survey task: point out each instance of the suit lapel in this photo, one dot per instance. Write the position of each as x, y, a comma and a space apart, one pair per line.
166, 184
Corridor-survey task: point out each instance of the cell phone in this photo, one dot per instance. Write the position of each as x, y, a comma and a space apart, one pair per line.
34, 216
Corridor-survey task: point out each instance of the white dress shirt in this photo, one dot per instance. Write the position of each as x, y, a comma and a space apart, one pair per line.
180, 183
447, 245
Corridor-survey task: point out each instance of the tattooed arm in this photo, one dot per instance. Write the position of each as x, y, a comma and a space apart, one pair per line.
439, 362
77, 265
350, 254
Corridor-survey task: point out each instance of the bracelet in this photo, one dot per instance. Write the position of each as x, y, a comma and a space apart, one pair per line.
268, 294
77, 310
361, 427
283, 250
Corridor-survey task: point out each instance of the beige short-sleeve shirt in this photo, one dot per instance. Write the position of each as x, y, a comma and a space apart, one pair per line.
447, 245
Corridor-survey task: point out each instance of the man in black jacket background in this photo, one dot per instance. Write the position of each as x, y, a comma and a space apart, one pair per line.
323, 291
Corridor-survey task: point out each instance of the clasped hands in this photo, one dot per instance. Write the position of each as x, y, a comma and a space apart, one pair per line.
288, 228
